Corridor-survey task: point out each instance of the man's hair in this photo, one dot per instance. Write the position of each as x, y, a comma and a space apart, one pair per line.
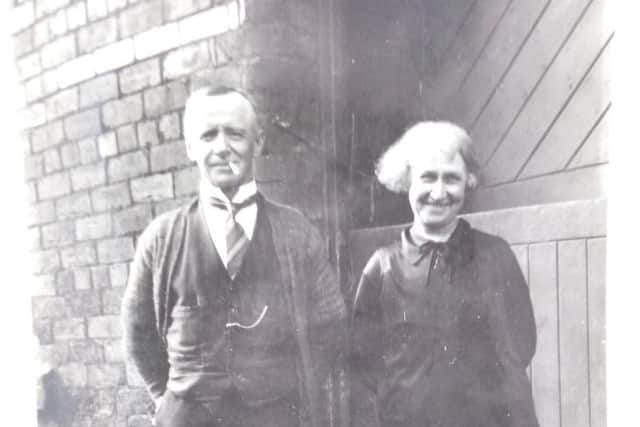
200, 94
393, 169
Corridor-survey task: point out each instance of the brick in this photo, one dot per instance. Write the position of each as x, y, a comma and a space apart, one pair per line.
33, 166
114, 56
70, 155
84, 303
41, 213
186, 181
33, 239
113, 351
140, 76
62, 103
76, 15
118, 249
32, 116
96, 9
45, 261
33, 89
21, 17
83, 124
76, 204
57, 234
29, 66
31, 193
98, 90
93, 227
58, 51
111, 197
118, 274
156, 40
140, 421
169, 205
132, 401
43, 285
58, 23
107, 145
80, 255
43, 331
97, 34
185, 60
121, 111
73, 374
96, 406
65, 282
164, 99
86, 351
82, 278
88, 150
46, 7
52, 161
105, 327
47, 136
105, 375
67, 329
88, 176
174, 9
111, 300
100, 277
75, 71
133, 219
168, 156
127, 140
41, 33
154, 187
140, 17
55, 354
113, 5
49, 307
133, 377
50, 82
23, 42
170, 126
127, 165
54, 185
214, 21
148, 133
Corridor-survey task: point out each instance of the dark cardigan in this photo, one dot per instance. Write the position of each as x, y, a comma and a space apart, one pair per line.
314, 299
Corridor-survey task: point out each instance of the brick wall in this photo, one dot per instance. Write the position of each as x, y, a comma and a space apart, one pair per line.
104, 84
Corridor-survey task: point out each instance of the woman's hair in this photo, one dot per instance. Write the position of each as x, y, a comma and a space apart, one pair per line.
393, 169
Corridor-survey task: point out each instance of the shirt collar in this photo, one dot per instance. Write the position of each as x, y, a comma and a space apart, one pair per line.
245, 191
460, 244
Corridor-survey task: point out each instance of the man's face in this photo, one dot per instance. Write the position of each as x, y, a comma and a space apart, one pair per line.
222, 139
437, 190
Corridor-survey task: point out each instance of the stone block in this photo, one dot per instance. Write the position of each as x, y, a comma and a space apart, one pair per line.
140, 75
105, 327
33, 89
97, 406
52, 161
156, 40
113, 5
54, 185
50, 307
147, 133
113, 351
58, 23
88, 176
46, 7
21, 17
127, 140
75, 71
128, 165
33, 239
107, 144
88, 150
185, 60
41, 33
174, 9
118, 249
94, 227
45, 261
112, 300
154, 187
79, 255
29, 66
186, 181
58, 52
113, 56
68, 329
70, 155
84, 303
105, 375
82, 279
62, 103
140, 421
140, 17
55, 354
65, 282
33, 166
96, 9
43, 331
97, 34
130, 220
170, 126
208, 23
76, 204
23, 42
31, 194
86, 351
47, 136
168, 156
41, 213
166, 98
32, 116
132, 401
99, 90
111, 197
118, 274
76, 15
122, 111
73, 374
50, 81
57, 234
100, 277
133, 377
83, 124
43, 285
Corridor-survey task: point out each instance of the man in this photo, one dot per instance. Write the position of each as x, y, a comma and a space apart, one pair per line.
443, 327
231, 314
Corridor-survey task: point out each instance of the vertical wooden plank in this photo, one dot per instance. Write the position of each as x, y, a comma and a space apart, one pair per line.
596, 257
574, 358
545, 365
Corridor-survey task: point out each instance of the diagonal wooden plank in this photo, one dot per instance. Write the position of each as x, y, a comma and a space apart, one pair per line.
545, 365
573, 333
504, 45
576, 121
595, 148
550, 96
512, 92
596, 257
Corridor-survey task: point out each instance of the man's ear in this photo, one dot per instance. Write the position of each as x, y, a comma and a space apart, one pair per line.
189, 148
472, 181
258, 143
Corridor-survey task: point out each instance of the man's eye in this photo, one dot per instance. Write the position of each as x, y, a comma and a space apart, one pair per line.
235, 134
209, 136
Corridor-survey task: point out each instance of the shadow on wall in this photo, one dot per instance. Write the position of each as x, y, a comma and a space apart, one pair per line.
55, 404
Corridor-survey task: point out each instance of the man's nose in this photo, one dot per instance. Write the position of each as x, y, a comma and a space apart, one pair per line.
438, 191
219, 144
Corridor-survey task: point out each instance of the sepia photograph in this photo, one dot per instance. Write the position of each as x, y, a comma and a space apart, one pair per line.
310, 213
